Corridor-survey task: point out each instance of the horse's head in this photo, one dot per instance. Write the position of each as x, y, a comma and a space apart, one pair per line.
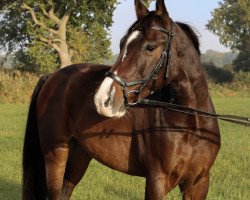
143, 64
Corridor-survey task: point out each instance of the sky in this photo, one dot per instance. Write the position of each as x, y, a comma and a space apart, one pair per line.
194, 12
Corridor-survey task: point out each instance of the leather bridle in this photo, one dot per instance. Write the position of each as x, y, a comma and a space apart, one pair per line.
165, 61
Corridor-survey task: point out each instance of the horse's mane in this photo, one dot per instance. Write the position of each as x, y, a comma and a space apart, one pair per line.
191, 35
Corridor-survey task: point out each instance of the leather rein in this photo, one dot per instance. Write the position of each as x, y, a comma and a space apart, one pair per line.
165, 61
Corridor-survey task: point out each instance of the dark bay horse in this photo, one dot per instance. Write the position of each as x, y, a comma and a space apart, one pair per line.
76, 115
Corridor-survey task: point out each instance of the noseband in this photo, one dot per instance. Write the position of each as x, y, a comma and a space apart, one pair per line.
164, 59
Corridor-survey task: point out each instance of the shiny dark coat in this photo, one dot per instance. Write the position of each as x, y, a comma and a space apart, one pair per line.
64, 131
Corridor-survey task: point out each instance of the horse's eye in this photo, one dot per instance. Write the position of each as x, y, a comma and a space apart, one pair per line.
150, 48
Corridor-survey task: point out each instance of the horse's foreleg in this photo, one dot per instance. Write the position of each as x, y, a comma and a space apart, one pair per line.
77, 165
197, 191
55, 162
156, 187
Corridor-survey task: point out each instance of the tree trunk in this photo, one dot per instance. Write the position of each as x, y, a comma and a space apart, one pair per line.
64, 52
65, 57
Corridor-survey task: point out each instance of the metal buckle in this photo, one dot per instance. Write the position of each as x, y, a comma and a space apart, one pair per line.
134, 91
128, 104
132, 104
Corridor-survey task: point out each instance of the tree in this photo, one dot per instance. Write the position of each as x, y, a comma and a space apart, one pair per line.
44, 34
231, 22
242, 62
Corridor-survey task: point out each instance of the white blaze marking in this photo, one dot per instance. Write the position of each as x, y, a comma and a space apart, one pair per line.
133, 36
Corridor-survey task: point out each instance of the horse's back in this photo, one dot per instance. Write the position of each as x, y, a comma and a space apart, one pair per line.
60, 82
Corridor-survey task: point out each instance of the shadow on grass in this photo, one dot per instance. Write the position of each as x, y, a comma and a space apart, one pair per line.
10, 190
122, 193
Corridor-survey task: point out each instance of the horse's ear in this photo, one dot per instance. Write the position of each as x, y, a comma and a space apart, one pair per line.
141, 9
161, 9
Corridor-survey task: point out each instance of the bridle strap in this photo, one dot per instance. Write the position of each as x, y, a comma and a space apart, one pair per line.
167, 50
193, 111
116, 78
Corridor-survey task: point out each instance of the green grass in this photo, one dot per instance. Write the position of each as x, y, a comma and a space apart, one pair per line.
230, 178
12, 123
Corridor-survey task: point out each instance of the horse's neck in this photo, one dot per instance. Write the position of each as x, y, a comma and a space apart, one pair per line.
190, 85
191, 93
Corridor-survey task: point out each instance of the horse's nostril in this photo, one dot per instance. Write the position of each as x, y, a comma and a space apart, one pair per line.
107, 102
110, 98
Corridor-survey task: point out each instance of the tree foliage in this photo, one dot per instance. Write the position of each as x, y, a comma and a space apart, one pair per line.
242, 62
231, 22
42, 33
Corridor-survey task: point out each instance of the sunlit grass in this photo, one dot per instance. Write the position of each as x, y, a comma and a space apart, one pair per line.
230, 178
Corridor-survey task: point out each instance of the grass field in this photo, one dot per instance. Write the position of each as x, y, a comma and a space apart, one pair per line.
230, 176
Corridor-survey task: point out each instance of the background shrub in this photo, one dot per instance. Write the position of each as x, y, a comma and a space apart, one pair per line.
240, 86
217, 74
16, 87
